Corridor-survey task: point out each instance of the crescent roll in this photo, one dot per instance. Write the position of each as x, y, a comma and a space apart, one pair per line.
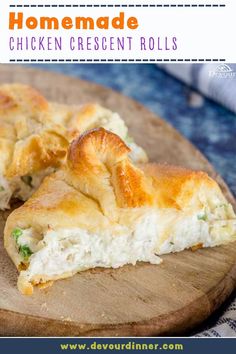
34, 137
100, 210
31, 143
91, 116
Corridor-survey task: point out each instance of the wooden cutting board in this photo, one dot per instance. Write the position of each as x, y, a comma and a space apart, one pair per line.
138, 300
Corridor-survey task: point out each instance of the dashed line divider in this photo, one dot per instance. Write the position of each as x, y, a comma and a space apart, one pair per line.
114, 60
119, 5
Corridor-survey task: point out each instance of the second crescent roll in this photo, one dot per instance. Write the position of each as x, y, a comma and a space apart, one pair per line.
34, 137
102, 211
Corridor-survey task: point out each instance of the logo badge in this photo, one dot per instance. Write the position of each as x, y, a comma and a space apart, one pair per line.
222, 71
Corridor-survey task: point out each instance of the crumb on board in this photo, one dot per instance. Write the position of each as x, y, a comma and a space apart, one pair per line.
196, 247
66, 319
45, 285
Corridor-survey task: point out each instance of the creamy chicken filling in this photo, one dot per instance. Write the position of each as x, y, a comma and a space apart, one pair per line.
67, 251
71, 250
20, 187
115, 124
5, 193
137, 153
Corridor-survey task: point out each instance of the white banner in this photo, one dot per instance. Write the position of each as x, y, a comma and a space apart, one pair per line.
117, 31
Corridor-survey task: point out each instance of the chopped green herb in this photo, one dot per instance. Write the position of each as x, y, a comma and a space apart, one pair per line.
2, 189
25, 252
172, 243
128, 139
16, 233
27, 180
222, 205
202, 217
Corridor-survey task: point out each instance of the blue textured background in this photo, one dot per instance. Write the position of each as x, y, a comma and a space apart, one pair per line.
210, 127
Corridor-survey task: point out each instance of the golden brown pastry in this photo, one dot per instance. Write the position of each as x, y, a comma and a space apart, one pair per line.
100, 210
92, 115
34, 137
31, 143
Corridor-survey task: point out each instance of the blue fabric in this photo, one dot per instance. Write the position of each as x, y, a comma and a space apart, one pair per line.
216, 81
210, 126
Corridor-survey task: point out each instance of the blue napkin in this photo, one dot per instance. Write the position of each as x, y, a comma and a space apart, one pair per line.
216, 81
225, 326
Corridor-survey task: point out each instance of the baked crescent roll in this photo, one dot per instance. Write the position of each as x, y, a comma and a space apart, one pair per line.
100, 210
91, 116
31, 143
34, 137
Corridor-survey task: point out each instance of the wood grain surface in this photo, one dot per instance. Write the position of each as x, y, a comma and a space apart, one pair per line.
144, 300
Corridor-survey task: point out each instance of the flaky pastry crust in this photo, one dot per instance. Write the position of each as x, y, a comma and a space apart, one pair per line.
99, 187
35, 133
34, 140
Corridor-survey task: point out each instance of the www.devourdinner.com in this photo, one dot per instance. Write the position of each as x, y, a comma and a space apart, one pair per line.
122, 346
